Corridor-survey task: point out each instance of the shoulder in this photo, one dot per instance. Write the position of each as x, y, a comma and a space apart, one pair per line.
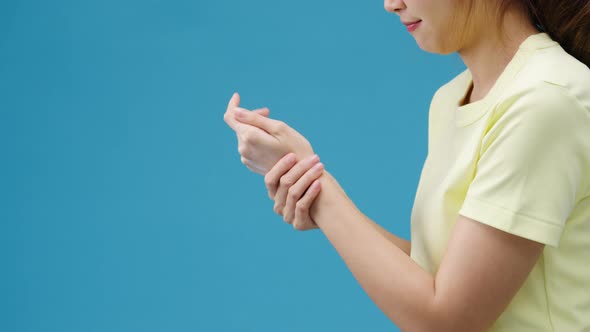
555, 65
540, 111
552, 77
542, 97
552, 85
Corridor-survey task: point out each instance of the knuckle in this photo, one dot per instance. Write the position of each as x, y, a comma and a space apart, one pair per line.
249, 138
269, 180
292, 193
281, 126
241, 149
286, 159
285, 181
300, 206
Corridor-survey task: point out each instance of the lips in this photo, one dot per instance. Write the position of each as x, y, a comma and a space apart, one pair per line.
411, 26
410, 23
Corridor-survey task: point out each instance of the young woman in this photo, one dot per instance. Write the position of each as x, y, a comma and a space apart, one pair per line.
500, 236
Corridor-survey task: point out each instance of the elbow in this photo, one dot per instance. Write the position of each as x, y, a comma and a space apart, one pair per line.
444, 318
455, 323
444, 325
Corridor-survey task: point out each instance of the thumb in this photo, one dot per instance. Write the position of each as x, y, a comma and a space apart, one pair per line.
234, 101
228, 117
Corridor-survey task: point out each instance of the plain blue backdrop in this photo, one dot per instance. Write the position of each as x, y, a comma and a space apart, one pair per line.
123, 202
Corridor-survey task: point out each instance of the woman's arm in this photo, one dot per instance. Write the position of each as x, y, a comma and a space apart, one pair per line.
481, 271
401, 243
280, 181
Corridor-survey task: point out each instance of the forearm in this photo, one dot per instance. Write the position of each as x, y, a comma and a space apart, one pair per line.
397, 285
401, 243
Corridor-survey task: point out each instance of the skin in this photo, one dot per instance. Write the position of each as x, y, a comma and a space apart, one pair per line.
483, 267
445, 29
259, 147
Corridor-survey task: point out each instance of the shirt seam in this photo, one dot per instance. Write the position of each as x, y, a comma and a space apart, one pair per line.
567, 92
551, 223
547, 293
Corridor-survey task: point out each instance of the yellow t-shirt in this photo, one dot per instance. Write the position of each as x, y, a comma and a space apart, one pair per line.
517, 160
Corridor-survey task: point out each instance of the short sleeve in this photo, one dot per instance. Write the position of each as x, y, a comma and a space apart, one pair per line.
531, 165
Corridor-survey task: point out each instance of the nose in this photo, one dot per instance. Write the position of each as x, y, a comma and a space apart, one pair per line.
394, 6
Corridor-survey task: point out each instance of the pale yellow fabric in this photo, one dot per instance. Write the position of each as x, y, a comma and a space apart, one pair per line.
517, 160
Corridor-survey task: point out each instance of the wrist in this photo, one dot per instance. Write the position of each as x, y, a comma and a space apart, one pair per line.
331, 201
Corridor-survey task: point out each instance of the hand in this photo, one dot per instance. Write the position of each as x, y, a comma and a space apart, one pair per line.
263, 141
228, 117
294, 186
249, 164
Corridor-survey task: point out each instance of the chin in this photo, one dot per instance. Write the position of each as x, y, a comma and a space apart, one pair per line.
434, 48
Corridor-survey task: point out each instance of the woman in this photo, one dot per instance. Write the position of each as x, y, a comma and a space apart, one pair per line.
500, 235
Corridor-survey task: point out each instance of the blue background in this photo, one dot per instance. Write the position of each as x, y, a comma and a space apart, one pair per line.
124, 205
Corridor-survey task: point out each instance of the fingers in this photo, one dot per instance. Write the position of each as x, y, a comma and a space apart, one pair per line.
240, 127
269, 125
289, 179
234, 100
298, 189
271, 179
234, 103
228, 116
303, 220
262, 111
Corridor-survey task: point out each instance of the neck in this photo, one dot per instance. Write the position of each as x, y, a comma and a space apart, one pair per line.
489, 53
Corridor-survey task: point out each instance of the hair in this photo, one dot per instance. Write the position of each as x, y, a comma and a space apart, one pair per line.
565, 21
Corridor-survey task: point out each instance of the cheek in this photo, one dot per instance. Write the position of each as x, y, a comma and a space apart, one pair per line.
435, 39
441, 34
445, 24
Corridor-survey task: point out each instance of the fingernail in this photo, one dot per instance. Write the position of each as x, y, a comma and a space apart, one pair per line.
318, 166
314, 158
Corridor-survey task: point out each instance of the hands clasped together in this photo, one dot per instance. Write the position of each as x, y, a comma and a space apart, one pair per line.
291, 170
